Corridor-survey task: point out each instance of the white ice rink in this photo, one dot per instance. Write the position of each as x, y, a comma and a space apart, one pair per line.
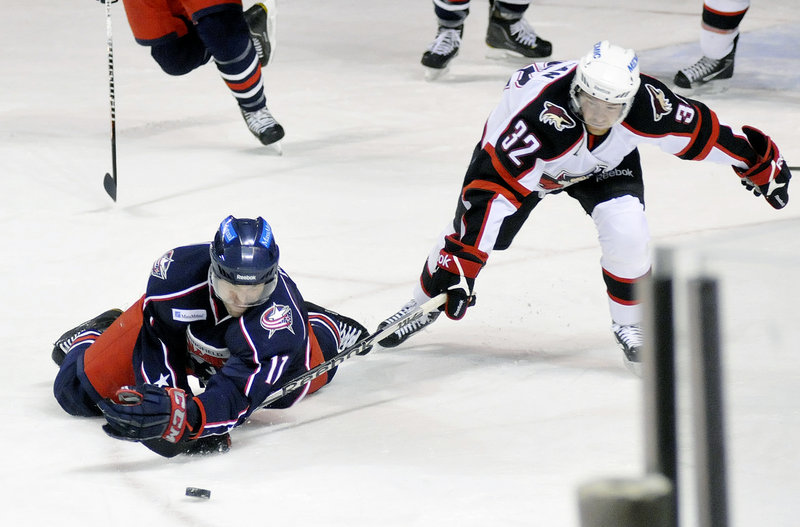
491, 421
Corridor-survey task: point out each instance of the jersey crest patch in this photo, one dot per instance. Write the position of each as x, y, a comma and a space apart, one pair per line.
203, 352
557, 116
161, 266
277, 317
661, 106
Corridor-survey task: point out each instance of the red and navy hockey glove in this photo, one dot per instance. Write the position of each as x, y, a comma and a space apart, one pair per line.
455, 274
147, 411
769, 175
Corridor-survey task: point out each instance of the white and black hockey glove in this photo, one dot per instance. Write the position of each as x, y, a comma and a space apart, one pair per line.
455, 274
769, 176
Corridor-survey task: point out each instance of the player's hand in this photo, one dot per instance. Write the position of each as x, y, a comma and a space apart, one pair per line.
769, 176
455, 274
147, 411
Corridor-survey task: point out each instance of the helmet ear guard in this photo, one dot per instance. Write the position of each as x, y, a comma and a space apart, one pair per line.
608, 73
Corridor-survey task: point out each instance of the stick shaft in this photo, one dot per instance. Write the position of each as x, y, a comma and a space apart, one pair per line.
111, 185
301, 380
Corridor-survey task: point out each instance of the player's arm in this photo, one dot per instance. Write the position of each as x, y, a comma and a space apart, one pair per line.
691, 130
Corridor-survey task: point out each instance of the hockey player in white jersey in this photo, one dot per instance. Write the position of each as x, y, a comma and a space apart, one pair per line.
575, 127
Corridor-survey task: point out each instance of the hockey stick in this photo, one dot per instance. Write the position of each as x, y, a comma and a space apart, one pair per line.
110, 180
431, 305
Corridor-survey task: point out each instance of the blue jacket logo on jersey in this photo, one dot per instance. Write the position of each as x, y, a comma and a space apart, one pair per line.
161, 265
277, 317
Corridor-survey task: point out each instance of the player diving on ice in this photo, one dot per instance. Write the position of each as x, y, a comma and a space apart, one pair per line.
222, 312
574, 127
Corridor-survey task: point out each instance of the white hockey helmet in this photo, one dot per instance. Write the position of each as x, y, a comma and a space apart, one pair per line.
609, 73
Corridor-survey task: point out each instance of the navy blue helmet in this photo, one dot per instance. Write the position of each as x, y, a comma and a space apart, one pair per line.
244, 253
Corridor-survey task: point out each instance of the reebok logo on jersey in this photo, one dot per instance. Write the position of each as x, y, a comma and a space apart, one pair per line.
188, 315
276, 318
557, 116
614, 172
661, 106
161, 265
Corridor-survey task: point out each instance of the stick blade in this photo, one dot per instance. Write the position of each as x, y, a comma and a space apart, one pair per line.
110, 184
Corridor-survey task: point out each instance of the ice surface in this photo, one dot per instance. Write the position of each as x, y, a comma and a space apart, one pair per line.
491, 421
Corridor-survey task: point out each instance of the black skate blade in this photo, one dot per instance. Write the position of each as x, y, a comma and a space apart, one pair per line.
110, 184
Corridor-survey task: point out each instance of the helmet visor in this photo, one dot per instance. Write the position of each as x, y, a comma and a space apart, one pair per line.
242, 296
598, 113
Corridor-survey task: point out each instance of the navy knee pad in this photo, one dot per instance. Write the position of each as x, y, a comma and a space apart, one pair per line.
180, 56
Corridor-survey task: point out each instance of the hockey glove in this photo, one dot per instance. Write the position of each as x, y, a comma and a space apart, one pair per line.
148, 411
455, 274
769, 175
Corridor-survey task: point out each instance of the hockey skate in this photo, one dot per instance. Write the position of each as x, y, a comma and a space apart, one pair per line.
630, 339
404, 332
97, 325
260, 20
441, 51
350, 331
706, 70
515, 37
263, 126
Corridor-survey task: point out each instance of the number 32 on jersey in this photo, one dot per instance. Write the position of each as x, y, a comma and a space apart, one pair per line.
519, 143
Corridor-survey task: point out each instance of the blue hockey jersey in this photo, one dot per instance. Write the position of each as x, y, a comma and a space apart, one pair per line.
238, 361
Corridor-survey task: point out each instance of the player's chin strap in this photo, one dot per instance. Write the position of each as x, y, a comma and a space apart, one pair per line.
359, 347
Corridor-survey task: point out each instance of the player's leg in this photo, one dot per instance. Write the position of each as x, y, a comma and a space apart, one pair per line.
508, 30
98, 362
225, 33
450, 15
719, 34
423, 289
615, 201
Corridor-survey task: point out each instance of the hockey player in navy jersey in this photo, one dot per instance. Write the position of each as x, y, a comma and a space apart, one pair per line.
223, 312
574, 127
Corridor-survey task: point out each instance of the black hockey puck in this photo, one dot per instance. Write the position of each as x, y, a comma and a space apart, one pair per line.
195, 492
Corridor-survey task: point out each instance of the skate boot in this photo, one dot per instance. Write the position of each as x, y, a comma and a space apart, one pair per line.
263, 126
630, 339
404, 332
260, 20
706, 69
96, 325
516, 36
444, 48
350, 331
